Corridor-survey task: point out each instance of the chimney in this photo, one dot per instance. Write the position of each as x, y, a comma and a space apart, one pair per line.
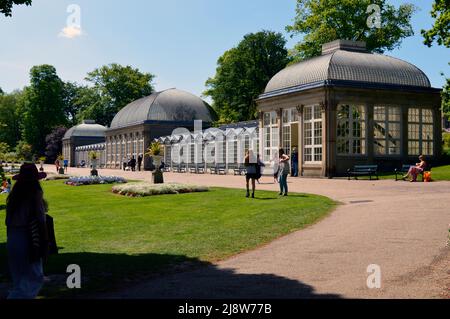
347, 45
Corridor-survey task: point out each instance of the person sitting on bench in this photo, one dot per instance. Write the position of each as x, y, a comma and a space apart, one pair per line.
414, 171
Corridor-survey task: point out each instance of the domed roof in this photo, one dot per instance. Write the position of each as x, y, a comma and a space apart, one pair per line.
168, 105
348, 61
87, 129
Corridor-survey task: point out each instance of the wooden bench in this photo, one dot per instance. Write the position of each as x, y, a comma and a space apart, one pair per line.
220, 169
197, 169
181, 168
241, 170
363, 170
405, 169
192, 169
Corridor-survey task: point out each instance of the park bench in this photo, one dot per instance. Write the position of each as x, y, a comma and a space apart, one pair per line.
220, 169
180, 168
200, 168
405, 169
363, 170
241, 170
197, 169
192, 169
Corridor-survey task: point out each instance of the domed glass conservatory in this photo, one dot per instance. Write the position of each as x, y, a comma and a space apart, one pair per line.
85, 134
349, 107
140, 122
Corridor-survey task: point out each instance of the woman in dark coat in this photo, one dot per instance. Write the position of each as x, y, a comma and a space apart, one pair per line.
26, 231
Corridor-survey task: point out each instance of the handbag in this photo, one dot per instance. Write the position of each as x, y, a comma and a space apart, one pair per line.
52, 246
42, 239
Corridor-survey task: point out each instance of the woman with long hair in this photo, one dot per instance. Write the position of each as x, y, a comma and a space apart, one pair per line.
26, 228
284, 171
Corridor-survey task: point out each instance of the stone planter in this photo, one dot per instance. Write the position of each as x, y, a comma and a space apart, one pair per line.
94, 164
157, 161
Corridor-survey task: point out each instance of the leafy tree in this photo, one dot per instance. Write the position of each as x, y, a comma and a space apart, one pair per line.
24, 151
325, 21
1, 92
4, 150
54, 143
44, 106
71, 94
440, 32
10, 118
117, 86
446, 99
243, 72
6, 5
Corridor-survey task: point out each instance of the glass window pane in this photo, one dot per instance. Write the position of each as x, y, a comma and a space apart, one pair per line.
413, 115
427, 132
266, 119
427, 116
379, 113
307, 113
380, 147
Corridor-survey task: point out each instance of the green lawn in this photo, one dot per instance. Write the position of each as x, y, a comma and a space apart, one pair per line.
117, 240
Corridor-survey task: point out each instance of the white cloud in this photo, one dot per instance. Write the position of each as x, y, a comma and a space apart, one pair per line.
71, 32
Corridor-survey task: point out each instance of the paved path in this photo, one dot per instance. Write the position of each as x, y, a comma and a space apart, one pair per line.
400, 226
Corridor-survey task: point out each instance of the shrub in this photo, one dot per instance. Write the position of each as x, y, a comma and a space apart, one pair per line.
94, 180
446, 141
148, 189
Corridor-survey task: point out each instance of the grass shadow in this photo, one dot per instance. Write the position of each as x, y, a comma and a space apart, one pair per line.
164, 276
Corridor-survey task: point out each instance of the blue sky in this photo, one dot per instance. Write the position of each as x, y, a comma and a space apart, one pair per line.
177, 40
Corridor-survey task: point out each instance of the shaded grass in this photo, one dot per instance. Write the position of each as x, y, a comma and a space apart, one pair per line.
117, 240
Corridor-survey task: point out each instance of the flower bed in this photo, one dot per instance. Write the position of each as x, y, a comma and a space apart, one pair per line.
55, 177
148, 189
94, 180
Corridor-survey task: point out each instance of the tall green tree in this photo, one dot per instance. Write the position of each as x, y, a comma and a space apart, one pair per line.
440, 34
321, 21
6, 5
44, 106
76, 98
10, 118
115, 86
440, 31
1, 92
243, 73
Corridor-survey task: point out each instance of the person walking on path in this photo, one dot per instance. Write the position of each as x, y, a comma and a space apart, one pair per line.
26, 233
139, 162
133, 164
252, 168
66, 165
125, 163
276, 167
284, 171
259, 169
294, 160
57, 165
